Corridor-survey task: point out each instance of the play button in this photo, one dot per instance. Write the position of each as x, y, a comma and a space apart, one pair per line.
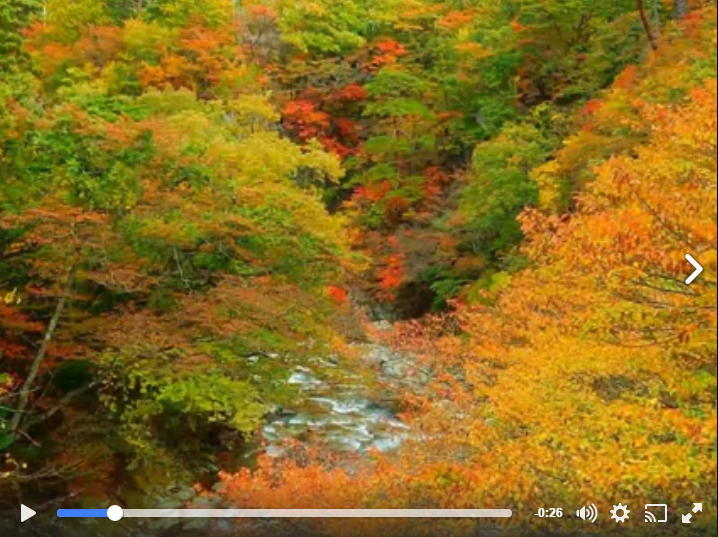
26, 513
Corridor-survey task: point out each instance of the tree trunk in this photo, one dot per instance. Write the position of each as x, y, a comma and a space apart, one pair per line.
39, 357
647, 24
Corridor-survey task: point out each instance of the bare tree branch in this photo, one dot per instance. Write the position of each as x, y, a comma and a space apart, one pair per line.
25, 391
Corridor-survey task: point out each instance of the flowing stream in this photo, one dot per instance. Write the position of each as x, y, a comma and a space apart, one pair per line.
343, 417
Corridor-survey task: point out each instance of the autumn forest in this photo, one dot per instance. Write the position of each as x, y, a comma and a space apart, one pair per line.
358, 254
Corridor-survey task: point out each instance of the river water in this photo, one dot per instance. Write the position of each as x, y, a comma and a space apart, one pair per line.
346, 409
343, 416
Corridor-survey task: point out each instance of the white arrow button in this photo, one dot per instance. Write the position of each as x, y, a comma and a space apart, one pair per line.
26, 513
696, 266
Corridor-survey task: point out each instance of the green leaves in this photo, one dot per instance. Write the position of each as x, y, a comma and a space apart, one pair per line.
386, 146
179, 13
328, 27
220, 398
501, 187
14, 16
154, 387
399, 108
392, 82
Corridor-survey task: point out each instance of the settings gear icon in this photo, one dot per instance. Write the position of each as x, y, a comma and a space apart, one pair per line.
623, 509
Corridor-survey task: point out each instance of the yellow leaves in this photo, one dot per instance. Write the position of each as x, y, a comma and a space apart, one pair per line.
191, 128
416, 11
168, 101
70, 17
251, 108
265, 157
241, 150
474, 50
467, 47
549, 181
12, 298
709, 261
214, 13
316, 158
314, 8
147, 39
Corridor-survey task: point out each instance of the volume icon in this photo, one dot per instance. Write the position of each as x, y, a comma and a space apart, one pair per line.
589, 513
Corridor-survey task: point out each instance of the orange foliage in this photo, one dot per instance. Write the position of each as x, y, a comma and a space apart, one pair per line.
306, 481
338, 294
352, 92
456, 19
99, 45
626, 78
372, 193
261, 11
304, 119
436, 181
392, 274
388, 51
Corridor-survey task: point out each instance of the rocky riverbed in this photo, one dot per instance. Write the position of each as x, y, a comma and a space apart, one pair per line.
349, 413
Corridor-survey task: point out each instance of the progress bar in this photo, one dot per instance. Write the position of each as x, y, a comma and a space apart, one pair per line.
317, 513
116, 513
